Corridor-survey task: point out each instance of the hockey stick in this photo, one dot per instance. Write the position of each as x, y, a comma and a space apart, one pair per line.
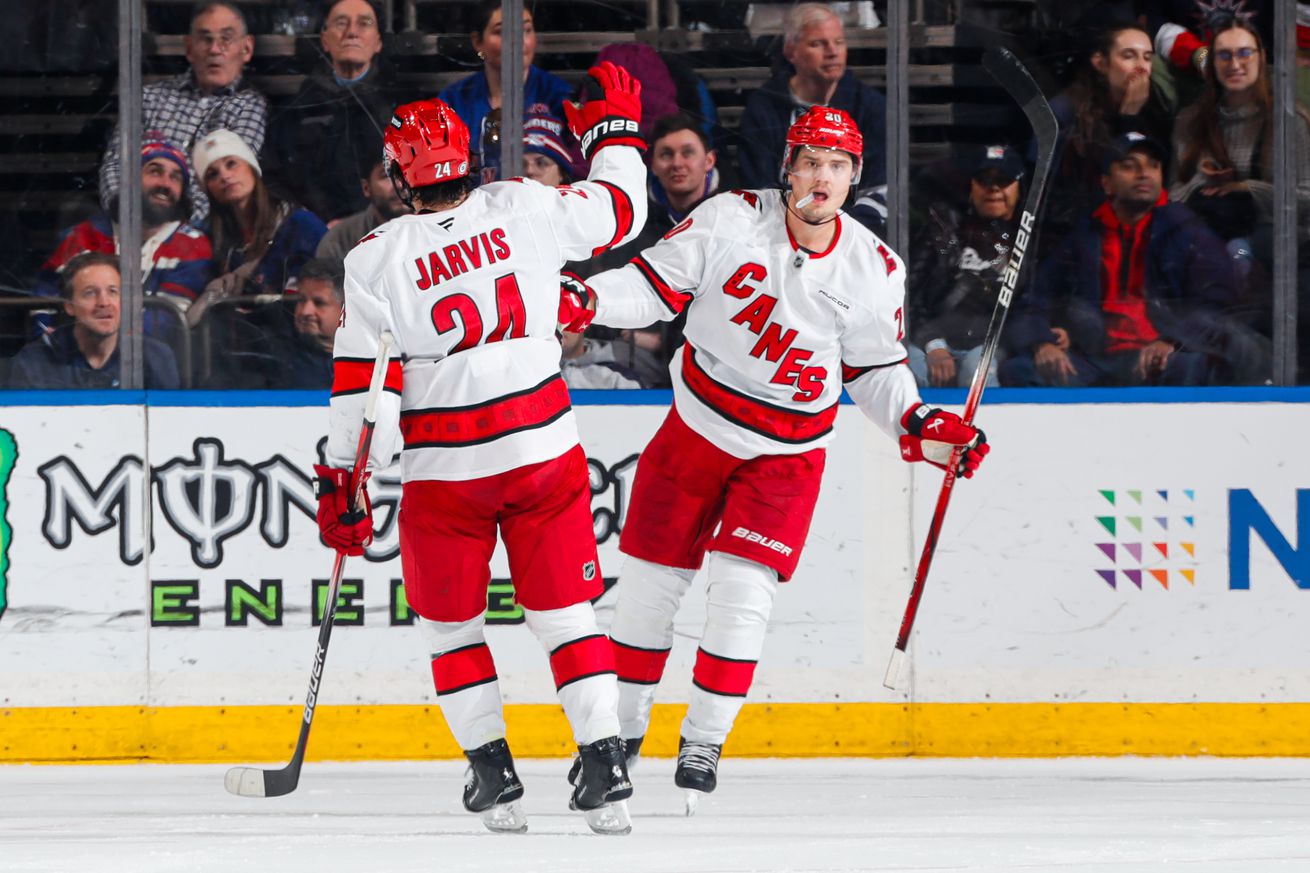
257, 782
1014, 78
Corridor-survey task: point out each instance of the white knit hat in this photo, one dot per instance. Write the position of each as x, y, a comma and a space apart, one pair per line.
222, 144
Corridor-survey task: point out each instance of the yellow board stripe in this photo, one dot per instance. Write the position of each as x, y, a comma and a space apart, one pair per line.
196, 734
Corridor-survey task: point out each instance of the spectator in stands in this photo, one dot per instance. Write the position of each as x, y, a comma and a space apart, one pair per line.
1183, 29
211, 95
336, 119
1111, 94
175, 257
956, 271
550, 155
1133, 296
84, 354
590, 363
684, 173
814, 46
260, 242
291, 348
473, 97
1223, 146
383, 205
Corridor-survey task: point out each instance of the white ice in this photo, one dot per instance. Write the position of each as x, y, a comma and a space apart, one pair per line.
1102, 815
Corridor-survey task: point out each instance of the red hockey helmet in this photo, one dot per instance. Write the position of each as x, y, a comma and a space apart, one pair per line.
427, 142
823, 127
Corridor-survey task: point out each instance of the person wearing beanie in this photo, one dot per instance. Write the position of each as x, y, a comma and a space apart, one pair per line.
211, 94
549, 155
175, 257
260, 241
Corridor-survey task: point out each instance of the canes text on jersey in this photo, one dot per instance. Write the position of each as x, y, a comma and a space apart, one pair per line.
775, 343
458, 258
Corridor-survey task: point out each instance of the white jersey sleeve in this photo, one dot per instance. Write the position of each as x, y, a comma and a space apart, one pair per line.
875, 369
355, 348
606, 209
661, 281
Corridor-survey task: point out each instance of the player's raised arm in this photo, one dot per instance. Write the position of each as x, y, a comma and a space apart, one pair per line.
608, 208
363, 317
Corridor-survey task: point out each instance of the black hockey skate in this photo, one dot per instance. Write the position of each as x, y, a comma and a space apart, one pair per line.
602, 786
631, 752
697, 773
492, 788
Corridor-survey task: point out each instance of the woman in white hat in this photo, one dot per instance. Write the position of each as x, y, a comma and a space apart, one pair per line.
260, 242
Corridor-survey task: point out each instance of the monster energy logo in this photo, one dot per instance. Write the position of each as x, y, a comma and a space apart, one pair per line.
8, 456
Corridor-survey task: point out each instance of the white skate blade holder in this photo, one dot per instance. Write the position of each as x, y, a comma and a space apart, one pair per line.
505, 818
691, 799
610, 819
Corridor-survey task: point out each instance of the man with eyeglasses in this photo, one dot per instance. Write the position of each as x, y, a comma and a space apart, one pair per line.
334, 124
209, 96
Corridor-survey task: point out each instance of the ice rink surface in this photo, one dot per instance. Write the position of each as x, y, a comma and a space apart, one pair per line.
1104, 815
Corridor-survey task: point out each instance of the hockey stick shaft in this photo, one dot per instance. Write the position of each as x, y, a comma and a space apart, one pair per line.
1007, 70
256, 782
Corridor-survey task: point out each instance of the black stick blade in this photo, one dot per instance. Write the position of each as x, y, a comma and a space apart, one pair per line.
254, 782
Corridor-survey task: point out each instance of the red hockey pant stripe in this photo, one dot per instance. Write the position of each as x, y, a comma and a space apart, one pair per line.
638, 665
463, 668
580, 658
725, 676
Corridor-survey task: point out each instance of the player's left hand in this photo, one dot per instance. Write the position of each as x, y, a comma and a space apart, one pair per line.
932, 434
344, 529
613, 117
577, 303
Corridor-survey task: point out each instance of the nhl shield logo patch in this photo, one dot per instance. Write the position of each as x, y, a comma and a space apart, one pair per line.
589, 571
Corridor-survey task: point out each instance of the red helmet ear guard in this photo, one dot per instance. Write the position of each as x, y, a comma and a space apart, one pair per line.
427, 142
823, 127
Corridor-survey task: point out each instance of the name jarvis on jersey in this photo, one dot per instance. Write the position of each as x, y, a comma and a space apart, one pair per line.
458, 258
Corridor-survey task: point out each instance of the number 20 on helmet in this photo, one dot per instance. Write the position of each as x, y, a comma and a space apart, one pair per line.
823, 127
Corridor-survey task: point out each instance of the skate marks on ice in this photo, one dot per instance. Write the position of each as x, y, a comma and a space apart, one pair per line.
816, 816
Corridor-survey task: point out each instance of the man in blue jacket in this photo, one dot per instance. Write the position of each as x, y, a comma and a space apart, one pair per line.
1134, 295
814, 46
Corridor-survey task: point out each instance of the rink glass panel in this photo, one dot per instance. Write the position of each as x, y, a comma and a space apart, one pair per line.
60, 105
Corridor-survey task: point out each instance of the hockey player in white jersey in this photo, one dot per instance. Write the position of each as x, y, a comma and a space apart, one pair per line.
469, 287
786, 302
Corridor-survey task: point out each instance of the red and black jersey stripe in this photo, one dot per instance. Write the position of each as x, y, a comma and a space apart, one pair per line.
453, 426
775, 422
623, 215
676, 301
352, 375
850, 374
463, 668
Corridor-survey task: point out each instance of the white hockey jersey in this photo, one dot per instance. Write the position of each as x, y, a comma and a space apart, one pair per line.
772, 330
472, 296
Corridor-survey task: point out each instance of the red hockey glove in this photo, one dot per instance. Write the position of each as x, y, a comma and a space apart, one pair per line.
612, 118
341, 528
934, 434
577, 303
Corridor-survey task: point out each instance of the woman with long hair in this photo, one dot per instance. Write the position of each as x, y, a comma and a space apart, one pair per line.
1111, 94
1223, 144
474, 96
260, 241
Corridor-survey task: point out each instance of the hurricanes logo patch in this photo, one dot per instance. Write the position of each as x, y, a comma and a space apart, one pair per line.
588, 571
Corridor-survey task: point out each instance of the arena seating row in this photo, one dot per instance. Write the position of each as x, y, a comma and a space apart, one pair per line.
55, 126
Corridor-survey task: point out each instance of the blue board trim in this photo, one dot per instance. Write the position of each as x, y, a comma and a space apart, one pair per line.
937, 396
